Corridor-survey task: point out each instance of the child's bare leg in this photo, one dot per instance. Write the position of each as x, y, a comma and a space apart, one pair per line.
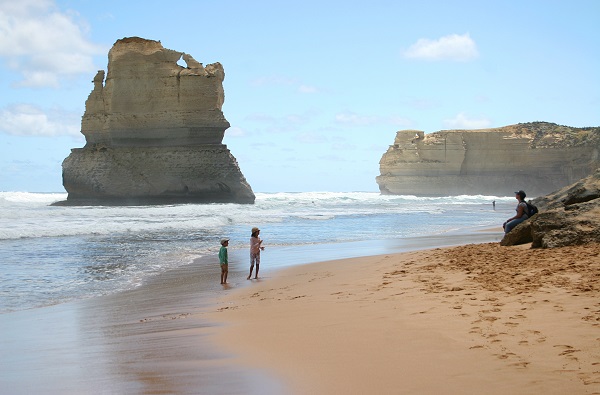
256, 276
225, 277
250, 275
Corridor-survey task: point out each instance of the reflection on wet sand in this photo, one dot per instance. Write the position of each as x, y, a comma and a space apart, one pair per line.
153, 339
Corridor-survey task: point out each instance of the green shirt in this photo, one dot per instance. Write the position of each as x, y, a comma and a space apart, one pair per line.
223, 256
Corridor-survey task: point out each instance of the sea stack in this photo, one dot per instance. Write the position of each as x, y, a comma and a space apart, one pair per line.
154, 132
538, 157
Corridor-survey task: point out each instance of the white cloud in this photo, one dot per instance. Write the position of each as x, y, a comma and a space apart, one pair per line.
44, 44
297, 119
453, 47
29, 120
307, 89
235, 131
461, 121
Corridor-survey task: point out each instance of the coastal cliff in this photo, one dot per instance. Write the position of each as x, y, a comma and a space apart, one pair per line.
538, 157
154, 132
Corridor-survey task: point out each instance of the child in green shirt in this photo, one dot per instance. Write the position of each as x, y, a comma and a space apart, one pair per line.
224, 260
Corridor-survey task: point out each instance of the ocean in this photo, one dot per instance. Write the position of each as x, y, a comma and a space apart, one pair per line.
56, 254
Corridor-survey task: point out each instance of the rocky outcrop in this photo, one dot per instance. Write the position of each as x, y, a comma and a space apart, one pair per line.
154, 132
570, 216
520, 234
538, 157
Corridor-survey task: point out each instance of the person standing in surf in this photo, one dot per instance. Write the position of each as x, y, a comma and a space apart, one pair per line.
224, 260
255, 249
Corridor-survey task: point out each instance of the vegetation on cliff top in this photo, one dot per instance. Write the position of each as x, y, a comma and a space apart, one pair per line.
546, 134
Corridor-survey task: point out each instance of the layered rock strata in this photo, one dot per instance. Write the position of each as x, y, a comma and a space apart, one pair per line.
154, 132
570, 216
537, 157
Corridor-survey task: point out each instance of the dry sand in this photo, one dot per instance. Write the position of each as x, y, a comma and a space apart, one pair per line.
474, 319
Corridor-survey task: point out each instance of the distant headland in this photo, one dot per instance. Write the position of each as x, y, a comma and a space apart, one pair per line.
538, 157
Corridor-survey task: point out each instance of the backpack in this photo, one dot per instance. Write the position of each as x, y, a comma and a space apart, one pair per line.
531, 209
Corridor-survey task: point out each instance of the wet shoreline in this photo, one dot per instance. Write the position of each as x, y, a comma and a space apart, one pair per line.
156, 338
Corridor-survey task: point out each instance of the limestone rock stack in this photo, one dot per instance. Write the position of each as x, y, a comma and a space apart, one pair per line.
154, 132
538, 157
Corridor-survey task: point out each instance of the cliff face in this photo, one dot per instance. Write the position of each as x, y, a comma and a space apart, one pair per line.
154, 132
537, 157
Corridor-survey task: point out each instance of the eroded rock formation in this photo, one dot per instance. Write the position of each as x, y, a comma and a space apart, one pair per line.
570, 216
538, 157
154, 132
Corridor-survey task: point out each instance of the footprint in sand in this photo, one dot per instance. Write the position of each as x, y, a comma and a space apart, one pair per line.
396, 272
490, 318
517, 316
490, 299
568, 350
565, 346
588, 380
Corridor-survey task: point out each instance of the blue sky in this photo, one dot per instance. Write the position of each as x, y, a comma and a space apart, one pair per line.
314, 90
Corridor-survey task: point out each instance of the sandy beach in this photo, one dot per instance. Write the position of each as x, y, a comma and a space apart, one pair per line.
473, 319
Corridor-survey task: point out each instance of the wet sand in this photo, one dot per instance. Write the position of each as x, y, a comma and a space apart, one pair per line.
151, 340
159, 338
476, 319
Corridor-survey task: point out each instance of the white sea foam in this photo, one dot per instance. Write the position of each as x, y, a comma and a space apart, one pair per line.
51, 254
29, 214
31, 198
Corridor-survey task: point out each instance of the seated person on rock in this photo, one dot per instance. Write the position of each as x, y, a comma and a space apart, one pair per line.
522, 213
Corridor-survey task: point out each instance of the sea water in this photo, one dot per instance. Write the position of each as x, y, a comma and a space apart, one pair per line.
54, 254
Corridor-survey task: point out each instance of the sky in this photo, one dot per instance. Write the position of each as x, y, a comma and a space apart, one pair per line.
315, 91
